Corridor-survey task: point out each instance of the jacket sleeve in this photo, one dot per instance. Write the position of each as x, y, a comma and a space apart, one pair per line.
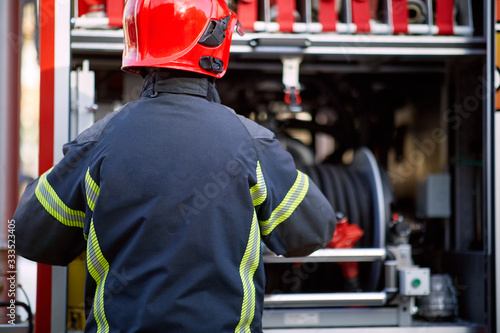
295, 218
50, 215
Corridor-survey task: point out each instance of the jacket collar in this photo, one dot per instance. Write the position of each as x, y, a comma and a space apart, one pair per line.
159, 81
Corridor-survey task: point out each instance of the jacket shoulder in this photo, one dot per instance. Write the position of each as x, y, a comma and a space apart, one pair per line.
255, 130
93, 133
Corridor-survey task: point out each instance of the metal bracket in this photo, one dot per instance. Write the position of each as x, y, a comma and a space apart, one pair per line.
82, 99
291, 82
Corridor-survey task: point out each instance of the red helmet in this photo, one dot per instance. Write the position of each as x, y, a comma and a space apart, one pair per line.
190, 35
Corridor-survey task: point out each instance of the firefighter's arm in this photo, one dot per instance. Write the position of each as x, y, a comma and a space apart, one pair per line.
295, 218
50, 215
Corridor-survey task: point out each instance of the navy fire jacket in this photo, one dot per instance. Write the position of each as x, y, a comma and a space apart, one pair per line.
170, 196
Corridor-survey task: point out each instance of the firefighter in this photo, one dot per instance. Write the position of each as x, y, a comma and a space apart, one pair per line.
172, 194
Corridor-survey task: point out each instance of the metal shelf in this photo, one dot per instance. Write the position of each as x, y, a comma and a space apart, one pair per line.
332, 255
97, 40
327, 46
415, 329
334, 45
356, 320
17, 328
324, 300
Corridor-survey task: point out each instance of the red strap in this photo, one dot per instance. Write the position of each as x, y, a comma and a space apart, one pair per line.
444, 17
328, 15
247, 13
361, 15
114, 9
286, 19
88, 6
400, 16
498, 11
82, 8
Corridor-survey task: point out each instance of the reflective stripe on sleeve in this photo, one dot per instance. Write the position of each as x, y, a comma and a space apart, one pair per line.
97, 265
259, 190
49, 199
248, 266
92, 190
292, 199
98, 268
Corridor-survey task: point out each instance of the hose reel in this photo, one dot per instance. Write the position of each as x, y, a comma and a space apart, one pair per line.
362, 193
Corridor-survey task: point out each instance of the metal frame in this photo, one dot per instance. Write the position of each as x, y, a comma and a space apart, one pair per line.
325, 300
493, 145
384, 308
18, 328
9, 134
333, 255
331, 45
54, 132
324, 317
458, 328
269, 45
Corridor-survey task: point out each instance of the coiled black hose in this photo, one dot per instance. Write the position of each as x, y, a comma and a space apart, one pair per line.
350, 193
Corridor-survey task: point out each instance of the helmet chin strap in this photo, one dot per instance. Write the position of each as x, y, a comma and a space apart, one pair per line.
145, 71
173, 73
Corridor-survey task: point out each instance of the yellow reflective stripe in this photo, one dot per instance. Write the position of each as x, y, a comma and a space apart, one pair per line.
49, 199
292, 199
91, 189
259, 190
98, 268
248, 266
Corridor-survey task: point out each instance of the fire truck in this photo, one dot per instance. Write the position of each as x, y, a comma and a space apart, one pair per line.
390, 107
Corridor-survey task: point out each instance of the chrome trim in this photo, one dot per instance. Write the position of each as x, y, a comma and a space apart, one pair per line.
324, 300
332, 255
